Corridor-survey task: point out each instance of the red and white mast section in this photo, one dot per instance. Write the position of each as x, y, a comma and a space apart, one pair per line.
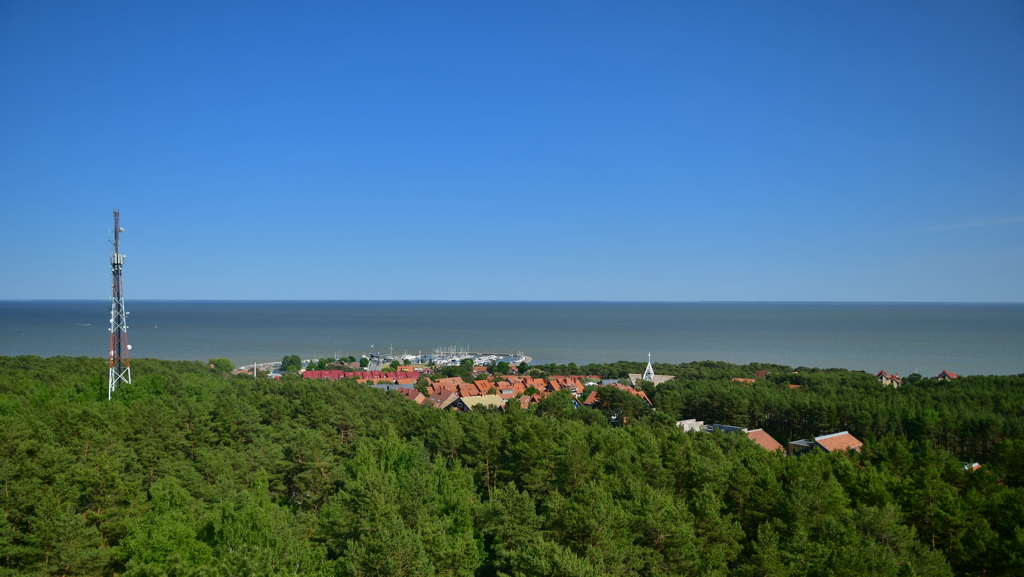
120, 365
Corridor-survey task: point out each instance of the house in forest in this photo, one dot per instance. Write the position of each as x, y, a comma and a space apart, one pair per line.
592, 399
443, 399
413, 395
842, 441
946, 376
691, 425
467, 404
892, 380
388, 386
727, 428
761, 437
799, 446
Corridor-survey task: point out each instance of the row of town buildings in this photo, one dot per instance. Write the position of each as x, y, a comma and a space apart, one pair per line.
494, 392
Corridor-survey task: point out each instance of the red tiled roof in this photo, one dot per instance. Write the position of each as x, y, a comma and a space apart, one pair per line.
539, 396
761, 374
442, 399
792, 386
469, 390
593, 396
449, 383
843, 441
573, 384
509, 390
413, 395
762, 438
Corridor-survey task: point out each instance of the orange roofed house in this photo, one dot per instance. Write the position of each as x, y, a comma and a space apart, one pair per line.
833, 443
761, 437
594, 395
413, 395
449, 384
443, 399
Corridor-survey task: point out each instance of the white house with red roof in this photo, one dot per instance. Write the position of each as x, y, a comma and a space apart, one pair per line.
892, 380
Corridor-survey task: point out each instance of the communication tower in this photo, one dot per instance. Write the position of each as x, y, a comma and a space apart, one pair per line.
120, 365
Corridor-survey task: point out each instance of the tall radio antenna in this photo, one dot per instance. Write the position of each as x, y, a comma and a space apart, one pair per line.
120, 365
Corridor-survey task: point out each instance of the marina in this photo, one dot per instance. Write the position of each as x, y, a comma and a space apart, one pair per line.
441, 357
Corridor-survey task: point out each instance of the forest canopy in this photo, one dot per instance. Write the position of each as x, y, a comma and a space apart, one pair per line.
192, 471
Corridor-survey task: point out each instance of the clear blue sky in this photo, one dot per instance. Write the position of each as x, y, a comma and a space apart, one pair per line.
795, 151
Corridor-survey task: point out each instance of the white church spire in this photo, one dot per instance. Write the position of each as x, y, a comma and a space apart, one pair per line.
649, 371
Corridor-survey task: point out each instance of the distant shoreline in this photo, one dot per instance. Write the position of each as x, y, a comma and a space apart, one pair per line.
968, 338
533, 302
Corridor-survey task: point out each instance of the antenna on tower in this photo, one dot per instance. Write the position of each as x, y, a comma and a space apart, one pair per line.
120, 365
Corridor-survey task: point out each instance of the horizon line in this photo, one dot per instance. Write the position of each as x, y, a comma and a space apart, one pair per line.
589, 301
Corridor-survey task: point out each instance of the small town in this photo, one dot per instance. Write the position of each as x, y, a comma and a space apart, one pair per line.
498, 381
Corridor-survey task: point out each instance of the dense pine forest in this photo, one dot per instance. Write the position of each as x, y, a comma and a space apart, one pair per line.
192, 471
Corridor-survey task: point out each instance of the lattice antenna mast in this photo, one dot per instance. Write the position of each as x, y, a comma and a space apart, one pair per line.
120, 365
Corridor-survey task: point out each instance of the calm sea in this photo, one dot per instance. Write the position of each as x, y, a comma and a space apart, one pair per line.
927, 338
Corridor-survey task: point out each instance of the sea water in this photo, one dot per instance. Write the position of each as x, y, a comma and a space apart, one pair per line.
904, 338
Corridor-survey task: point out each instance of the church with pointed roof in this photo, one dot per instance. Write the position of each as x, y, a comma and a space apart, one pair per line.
649, 375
